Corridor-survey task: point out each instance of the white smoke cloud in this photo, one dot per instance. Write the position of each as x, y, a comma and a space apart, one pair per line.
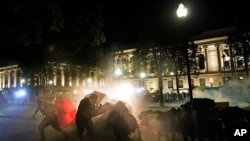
237, 93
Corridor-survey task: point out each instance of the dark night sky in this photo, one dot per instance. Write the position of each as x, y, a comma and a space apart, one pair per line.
126, 20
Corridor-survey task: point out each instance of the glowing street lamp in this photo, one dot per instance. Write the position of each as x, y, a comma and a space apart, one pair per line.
50, 82
22, 82
172, 75
118, 72
182, 12
142, 76
89, 80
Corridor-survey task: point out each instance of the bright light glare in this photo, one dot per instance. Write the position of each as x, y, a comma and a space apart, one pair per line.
181, 11
139, 90
118, 72
124, 92
87, 91
75, 91
20, 93
142, 75
227, 58
89, 80
50, 82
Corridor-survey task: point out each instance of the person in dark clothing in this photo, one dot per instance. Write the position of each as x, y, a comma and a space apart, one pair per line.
122, 122
86, 110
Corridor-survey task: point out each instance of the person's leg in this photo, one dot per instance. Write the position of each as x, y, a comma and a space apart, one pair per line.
44, 123
55, 124
90, 130
80, 129
34, 115
38, 108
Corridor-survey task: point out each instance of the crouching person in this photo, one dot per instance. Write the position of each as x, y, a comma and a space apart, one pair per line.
50, 113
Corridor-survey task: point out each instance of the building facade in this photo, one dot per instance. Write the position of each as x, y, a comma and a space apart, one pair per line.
10, 77
66, 75
219, 64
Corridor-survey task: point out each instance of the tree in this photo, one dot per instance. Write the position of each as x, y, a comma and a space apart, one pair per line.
138, 61
82, 35
156, 57
176, 55
25, 23
52, 30
238, 43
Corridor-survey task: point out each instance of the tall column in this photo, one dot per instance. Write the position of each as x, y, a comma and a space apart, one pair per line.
84, 82
9, 78
54, 76
95, 78
4, 74
15, 77
62, 76
1, 81
77, 79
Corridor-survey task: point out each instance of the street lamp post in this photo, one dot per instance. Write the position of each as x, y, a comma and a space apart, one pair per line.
182, 12
142, 76
118, 74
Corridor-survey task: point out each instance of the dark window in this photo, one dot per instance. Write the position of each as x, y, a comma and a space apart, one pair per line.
180, 83
226, 64
240, 63
201, 61
202, 82
170, 83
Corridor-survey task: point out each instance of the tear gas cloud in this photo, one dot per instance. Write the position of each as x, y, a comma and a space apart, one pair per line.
236, 92
125, 93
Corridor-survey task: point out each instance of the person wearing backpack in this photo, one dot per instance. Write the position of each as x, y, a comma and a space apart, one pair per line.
86, 110
50, 112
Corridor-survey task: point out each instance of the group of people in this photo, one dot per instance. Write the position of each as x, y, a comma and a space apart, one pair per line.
86, 110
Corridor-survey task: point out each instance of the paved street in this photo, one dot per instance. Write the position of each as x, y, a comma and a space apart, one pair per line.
16, 124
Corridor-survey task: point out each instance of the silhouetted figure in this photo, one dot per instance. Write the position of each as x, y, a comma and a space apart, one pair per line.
168, 123
200, 119
86, 110
187, 122
235, 118
122, 122
50, 112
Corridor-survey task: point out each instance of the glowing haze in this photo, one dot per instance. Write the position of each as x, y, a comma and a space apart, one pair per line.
237, 93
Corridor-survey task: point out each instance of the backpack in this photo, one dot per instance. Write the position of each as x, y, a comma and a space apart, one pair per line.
132, 122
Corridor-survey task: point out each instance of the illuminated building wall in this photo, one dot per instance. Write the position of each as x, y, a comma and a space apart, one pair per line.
220, 65
67, 75
10, 77
123, 62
